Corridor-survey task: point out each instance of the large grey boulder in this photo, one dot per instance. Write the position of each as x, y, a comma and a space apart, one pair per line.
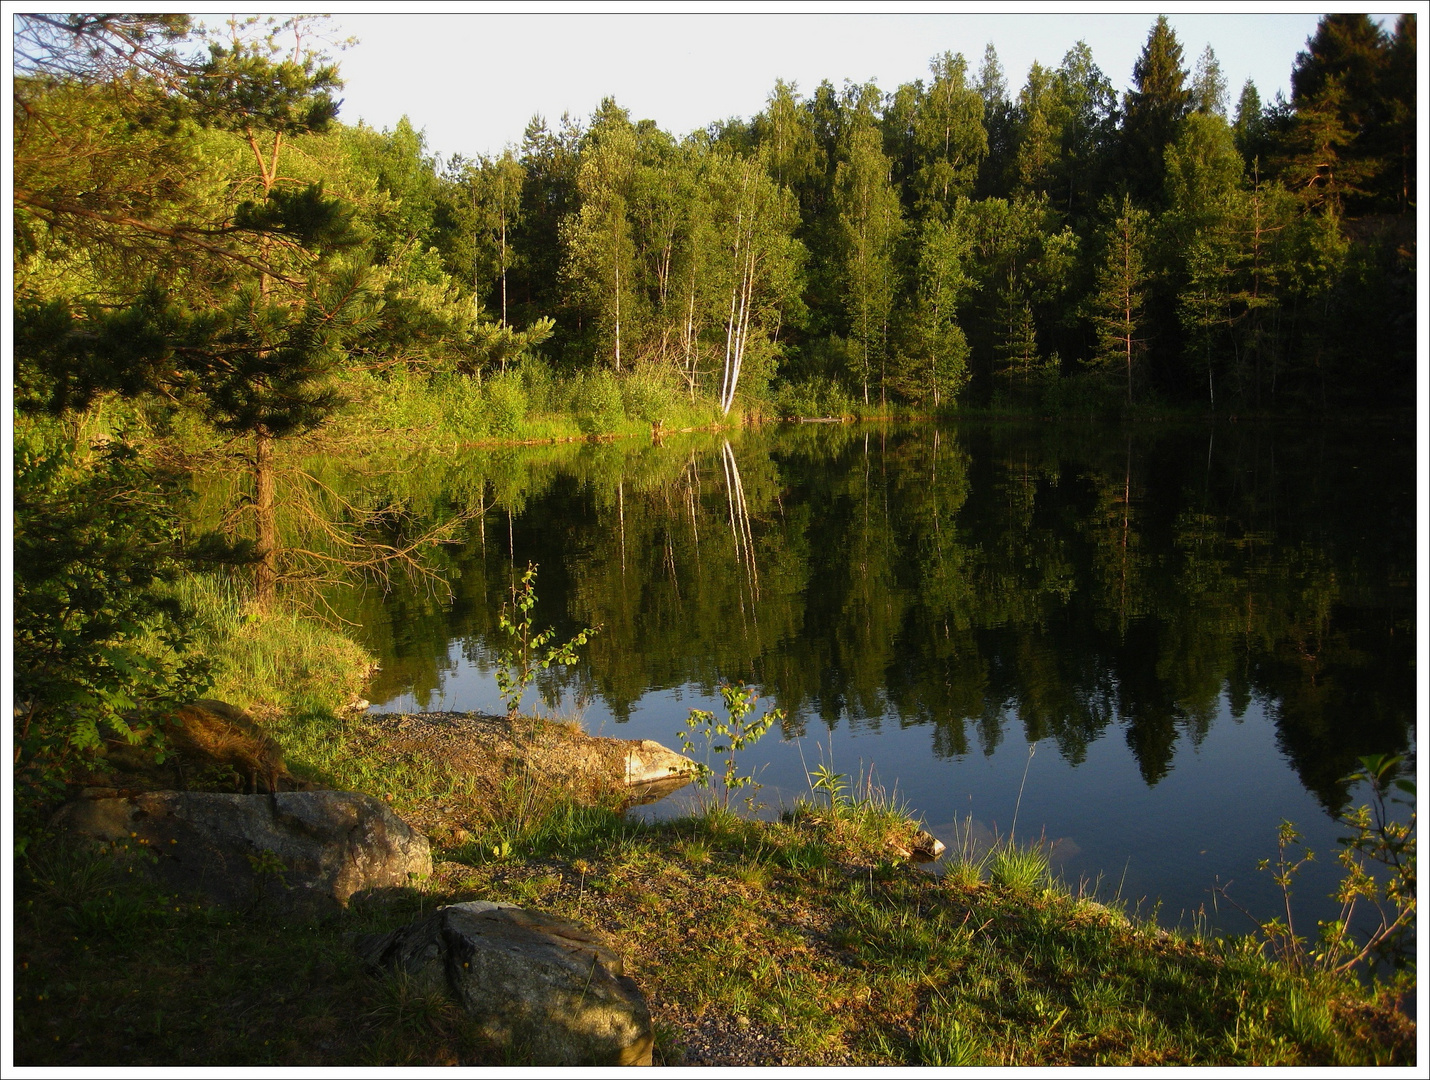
551, 991
297, 852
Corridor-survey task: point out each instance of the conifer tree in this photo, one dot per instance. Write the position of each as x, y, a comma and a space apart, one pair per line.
1120, 287
1153, 111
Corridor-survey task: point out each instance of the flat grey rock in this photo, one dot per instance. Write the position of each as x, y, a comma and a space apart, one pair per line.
295, 852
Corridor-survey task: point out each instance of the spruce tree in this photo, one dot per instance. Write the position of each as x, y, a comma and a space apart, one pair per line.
1116, 305
1153, 112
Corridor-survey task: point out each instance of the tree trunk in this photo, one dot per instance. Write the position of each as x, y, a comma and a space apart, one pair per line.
265, 519
618, 320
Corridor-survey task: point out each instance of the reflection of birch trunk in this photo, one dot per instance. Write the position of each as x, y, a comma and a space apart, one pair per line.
692, 491
740, 520
621, 511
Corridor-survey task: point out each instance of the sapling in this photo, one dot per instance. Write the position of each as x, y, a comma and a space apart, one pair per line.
729, 736
527, 653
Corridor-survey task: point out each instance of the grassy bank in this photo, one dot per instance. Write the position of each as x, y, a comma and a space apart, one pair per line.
794, 942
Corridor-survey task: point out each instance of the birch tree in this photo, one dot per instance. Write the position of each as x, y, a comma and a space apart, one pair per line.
759, 262
949, 134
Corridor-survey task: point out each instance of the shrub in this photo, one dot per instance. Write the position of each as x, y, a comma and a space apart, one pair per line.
96, 538
816, 396
647, 395
506, 404
596, 401
542, 389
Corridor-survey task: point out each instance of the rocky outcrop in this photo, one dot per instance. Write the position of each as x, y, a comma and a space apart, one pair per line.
648, 762
552, 992
295, 852
488, 750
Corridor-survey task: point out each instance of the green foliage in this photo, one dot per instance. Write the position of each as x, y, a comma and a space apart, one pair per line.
596, 401
835, 786
281, 659
1024, 869
1379, 871
527, 652
506, 404
738, 731
96, 538
648, 395
815, 397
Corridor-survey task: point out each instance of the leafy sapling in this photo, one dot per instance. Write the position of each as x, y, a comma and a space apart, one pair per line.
738, 731
526, 652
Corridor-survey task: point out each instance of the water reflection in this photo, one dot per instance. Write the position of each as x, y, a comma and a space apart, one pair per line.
1066, 583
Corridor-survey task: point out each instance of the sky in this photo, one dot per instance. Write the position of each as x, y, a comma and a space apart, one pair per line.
472, 78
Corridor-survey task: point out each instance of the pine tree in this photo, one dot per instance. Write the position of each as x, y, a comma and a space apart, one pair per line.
1337, 145
1120, 287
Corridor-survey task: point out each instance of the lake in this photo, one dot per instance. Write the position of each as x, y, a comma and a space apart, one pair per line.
1145, 645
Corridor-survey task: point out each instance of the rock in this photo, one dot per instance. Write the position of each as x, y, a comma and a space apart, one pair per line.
926, 846
490, 750
923, 846
647, 762
297, 852
551, 991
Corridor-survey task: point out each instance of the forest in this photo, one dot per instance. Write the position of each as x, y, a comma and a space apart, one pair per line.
946, 241
298, 402
206, 257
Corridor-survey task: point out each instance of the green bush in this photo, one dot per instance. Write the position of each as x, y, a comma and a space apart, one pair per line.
96, 539
596, 401
506, 404
816, 396
542, 389
648, 395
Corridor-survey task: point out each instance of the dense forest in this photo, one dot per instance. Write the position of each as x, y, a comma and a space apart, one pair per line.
948, 240
202, 247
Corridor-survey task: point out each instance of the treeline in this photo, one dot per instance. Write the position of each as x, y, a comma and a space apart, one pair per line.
948, 239
1058, 248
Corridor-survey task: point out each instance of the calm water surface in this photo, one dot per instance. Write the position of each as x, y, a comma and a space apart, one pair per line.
1181, 636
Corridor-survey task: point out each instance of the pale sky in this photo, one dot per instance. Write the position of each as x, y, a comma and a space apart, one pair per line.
472, 77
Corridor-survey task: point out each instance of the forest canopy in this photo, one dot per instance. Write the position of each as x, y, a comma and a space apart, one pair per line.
946, 240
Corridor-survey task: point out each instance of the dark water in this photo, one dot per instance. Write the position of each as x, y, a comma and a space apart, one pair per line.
1194, 632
